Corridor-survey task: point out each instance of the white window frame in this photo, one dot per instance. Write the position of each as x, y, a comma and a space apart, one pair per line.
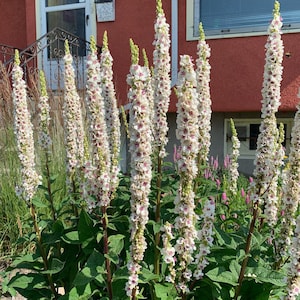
245, 152
192, 9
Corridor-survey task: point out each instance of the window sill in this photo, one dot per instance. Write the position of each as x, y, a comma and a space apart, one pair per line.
190, 37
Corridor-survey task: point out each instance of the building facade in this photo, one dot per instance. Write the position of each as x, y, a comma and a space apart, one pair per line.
236, 32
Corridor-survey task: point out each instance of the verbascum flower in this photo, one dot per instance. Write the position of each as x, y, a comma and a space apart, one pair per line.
44, 138
291, 189
111, 111
97, 170
205, 237
267, 143
293, 282
203, 89
73, 123
233, 166
23, 130
141, 173
188, 134
161, 79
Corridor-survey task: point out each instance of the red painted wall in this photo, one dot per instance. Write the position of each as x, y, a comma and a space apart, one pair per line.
17, 23
237, 63
13, 23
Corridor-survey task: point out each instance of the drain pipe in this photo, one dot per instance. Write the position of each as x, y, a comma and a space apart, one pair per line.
174, 42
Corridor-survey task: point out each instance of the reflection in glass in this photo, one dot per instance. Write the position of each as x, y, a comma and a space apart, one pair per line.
72, 21
61, 2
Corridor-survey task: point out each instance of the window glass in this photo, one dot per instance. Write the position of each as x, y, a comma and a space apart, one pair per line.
61, 2
234, 16
72, 21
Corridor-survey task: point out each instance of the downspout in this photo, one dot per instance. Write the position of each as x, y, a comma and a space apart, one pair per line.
174, 42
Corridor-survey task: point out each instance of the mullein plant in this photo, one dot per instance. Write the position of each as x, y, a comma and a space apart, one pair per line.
23, 130
162, 91
233, 171
188, 134
141, 174
293, 282
44, 138
267, 143
204, 106
97, 188
111, 112
291, 193
73, 126
161, 79
30, 179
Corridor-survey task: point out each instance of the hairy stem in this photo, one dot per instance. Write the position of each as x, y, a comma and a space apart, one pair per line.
247, 250
106, 250
42, 250
157, 215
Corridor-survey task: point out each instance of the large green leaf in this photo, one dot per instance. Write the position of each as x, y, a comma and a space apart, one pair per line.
165, 291
220, 274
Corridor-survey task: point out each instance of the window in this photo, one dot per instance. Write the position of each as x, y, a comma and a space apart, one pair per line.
248, 131
238, 17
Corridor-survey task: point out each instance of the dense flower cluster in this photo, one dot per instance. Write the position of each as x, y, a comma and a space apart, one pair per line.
203, 89
111, 111
141, 174
233, 166
44, 137
267, 142
188, 134
161, 79
168, 251
73, 122
97, 171
294, 268
291, 188
24, 135
205, 237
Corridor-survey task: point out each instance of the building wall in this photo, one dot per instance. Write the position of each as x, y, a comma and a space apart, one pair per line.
17, 23
237, 63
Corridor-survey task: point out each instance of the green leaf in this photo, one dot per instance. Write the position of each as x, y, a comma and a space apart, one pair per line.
220, 274
116, 243
156, 226
55, 267
261, 274
71, 237
147, 276
80, 292
37, 202
31, 286
93, 270
165, 291
87, 232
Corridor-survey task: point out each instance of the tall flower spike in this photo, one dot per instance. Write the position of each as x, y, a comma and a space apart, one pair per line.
111, 111
24, 135
233, 166
188, 134
141, 173
161, 79
44, 136
97, 171
265, 169
293, 282
291, 190
203, 89
73, 124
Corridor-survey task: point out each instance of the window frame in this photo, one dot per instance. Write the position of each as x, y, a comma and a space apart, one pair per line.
192, 17
245, 152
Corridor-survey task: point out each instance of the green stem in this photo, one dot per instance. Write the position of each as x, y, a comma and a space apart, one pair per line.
247, 251
51, 200
106, 250
42, 250
157, 215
